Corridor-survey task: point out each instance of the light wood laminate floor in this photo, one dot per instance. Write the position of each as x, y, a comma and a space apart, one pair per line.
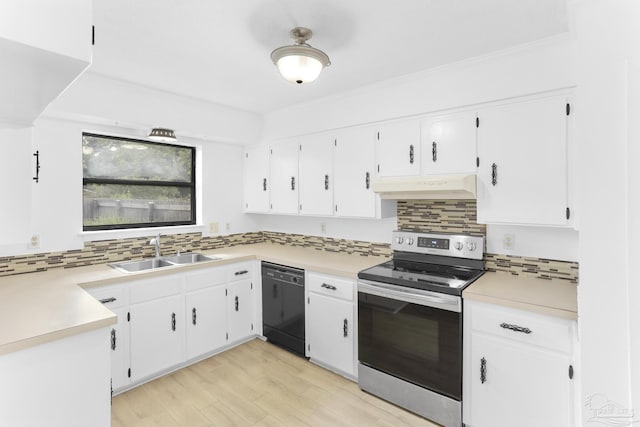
255, 384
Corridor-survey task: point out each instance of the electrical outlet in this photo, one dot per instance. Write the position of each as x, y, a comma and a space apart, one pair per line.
323, 227
508, 241
34, 243
213, 227
228, 226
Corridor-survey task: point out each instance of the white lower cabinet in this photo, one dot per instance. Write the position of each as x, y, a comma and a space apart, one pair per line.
240, 310
115, 298
157, 336
330, 322
519, 368
205, 305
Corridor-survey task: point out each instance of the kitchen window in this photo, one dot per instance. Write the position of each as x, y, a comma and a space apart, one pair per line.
129, 183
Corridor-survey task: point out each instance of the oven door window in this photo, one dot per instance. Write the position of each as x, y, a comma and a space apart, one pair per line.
419, 344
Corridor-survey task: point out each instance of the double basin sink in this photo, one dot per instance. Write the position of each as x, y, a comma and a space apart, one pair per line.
160, 262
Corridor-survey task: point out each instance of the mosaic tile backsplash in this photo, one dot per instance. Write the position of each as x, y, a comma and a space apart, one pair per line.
443, 216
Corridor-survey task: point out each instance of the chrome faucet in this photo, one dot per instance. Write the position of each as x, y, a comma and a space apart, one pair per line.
156, 242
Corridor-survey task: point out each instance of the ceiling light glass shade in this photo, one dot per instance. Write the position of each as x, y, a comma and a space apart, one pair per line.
300, 63
162, 135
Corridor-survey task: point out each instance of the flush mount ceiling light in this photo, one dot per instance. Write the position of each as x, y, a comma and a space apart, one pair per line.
300, 63
162, 135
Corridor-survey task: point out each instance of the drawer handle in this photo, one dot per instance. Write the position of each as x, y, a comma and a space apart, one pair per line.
113, 339
237, 303
194, 315
345, 328
515, 328
173, 322
483, 370
241, 272
330, 287
108, 300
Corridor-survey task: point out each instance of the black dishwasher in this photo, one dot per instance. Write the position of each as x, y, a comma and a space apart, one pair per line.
283, 306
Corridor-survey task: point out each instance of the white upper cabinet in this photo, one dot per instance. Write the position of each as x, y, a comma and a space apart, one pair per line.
256, 179
44, 46
316, 175
354, 168
284, 177
449, 144
398, 147
522, 176
17, 167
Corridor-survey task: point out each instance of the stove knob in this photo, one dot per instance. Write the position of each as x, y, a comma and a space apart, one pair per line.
409, 240
399, 240
471, 246
459, 246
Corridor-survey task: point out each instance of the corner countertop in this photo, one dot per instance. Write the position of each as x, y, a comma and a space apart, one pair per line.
37, 308
553, 297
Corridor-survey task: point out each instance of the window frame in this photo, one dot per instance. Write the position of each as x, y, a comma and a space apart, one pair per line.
117, 181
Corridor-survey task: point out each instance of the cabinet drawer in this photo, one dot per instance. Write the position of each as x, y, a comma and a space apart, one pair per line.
204, 278
112, 296
157, 287
329, 285
522, 326
241, 270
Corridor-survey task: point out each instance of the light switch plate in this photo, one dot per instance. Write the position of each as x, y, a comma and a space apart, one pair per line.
213, 227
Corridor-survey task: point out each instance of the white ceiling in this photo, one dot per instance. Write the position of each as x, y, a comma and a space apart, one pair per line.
218, 50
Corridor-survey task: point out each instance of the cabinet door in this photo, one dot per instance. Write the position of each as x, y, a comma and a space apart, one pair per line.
284, 178
240, 308
354, 167
157, 335
331, 332
519, 385
206, 321
399, 149
17, 166
119, 342
449, 144
256, 179
316, 175
522, 177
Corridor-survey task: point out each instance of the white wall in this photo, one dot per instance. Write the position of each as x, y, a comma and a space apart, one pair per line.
607, 129
52, 208
538, 67
99, 99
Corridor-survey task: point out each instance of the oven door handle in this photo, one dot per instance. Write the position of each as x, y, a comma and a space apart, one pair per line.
414, 296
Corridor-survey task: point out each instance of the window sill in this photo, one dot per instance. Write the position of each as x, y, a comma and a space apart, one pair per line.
91, 236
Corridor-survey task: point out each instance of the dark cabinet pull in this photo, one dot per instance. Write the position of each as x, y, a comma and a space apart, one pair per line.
275, 291
345, 328
411, 154
264, 184
515, 328
494, 174
293, 183
328, 286
241, 272
367, 180
237, 303
107, 300
113, 339
434, 151
37, 156
483, 370
173, 321
193, 315
326, 182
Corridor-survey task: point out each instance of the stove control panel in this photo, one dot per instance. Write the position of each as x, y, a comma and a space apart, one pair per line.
455, 245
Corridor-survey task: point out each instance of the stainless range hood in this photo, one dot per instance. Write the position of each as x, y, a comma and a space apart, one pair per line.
426, 187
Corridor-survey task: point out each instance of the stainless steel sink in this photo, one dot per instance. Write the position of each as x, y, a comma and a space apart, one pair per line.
141, 265
155, 263
189, 258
